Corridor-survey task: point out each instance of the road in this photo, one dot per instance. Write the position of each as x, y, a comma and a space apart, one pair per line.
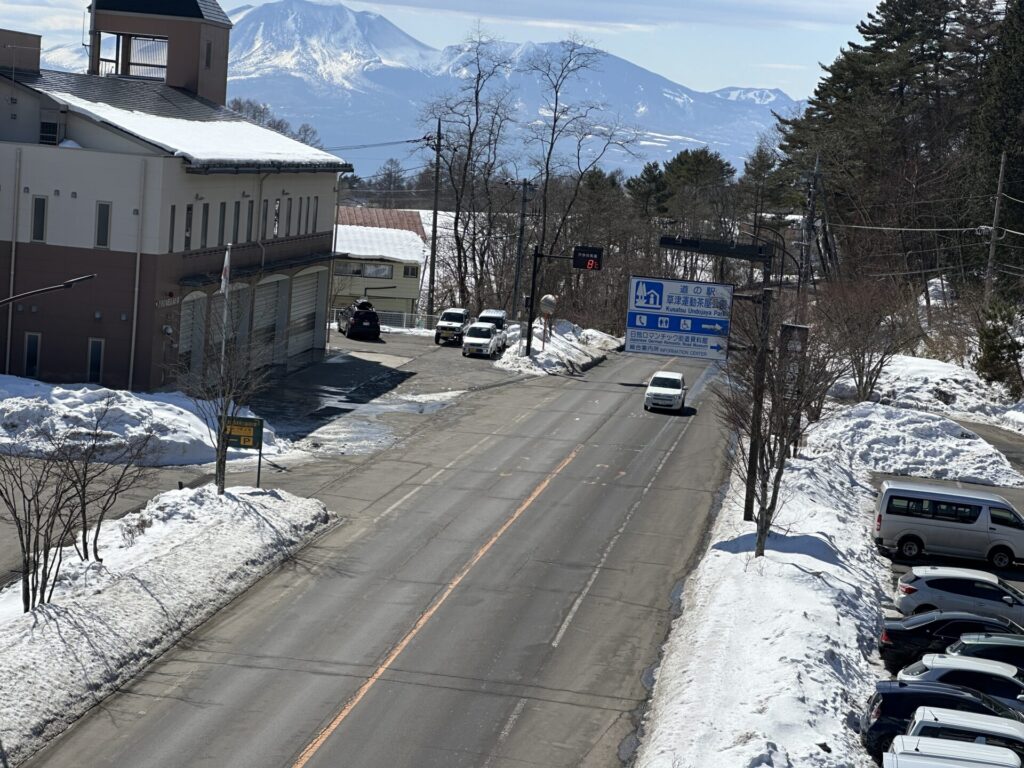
501, 583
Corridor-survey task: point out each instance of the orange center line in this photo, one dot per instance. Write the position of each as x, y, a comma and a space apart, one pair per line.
312, 748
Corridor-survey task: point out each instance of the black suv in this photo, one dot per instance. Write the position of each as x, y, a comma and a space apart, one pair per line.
360, 320
892, 706
904, 641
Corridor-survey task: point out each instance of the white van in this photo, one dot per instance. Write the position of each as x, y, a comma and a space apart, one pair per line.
912, 518
954, 725
943, 753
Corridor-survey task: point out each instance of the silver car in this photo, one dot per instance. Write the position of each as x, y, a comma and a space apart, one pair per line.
928, 587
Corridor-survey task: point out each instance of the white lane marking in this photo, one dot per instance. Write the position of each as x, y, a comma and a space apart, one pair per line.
611, 544
443, 469
506, 730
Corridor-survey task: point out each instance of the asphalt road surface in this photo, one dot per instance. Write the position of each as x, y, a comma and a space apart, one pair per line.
501, 582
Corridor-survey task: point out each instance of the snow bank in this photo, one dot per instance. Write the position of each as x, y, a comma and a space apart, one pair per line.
106, 622
772, 658
943, 388
180, 436
569, 349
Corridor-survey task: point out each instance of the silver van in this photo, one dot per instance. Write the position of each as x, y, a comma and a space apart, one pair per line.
941, 753
912, 518
954, 725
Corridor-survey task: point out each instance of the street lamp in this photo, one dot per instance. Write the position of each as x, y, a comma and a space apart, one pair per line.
60, 286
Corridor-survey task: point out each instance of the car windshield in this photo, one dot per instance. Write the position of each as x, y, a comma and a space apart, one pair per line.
480, 333
453, 317
664, 382
998, 707
491, 319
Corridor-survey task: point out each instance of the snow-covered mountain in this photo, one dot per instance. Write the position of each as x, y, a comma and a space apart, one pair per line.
359, 79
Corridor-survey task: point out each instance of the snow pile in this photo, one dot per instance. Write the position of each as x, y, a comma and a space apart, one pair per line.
194, 553
940, 294
773, 658
569, 348
179, 435
943, 388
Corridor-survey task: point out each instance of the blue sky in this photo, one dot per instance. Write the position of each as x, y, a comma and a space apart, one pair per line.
703, 44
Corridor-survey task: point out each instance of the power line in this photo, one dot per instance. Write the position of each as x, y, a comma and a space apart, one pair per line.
909, 229
352, 147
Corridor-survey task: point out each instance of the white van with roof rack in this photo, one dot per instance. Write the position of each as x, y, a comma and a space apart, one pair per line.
913, 518
954, 725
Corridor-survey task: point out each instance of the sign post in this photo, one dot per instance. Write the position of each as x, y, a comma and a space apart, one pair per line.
244, 432
678, 318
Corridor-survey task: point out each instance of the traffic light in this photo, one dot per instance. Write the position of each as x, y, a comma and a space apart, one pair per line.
587, 257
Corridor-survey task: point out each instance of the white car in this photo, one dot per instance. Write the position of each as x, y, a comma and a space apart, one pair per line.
451, 325
666, 389
481, 339
997, 679
927, 587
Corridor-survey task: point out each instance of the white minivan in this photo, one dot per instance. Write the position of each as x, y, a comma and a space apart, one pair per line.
941, 752
912, 518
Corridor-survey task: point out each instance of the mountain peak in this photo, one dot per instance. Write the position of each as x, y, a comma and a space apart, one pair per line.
316, 41
762, 96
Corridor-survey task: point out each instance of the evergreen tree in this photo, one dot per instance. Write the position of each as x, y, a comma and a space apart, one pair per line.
1000, 349
649, 191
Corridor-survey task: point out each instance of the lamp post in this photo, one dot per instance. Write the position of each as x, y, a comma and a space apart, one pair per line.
60, 286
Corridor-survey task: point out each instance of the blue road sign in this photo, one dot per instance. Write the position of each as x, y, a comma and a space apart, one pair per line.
680, 318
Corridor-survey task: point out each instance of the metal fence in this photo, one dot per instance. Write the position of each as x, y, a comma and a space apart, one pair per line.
406, 320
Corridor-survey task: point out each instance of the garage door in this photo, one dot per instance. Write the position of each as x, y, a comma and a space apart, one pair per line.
190, 332
302, 317
264, 320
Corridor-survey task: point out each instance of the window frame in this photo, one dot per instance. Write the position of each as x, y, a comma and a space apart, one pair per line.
88, 359
189, 221
204, 226
36, 225
222, 224
39, 354
236, 223
170, 230
414, 268
110, 221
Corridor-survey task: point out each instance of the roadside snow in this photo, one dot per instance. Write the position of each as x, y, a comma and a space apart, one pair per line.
107, 621
772, 658
568, 349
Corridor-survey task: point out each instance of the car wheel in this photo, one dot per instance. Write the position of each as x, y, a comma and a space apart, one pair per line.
647, 407
437, 339
923, 609
910, 547
682, 406
1000, 557
465, 354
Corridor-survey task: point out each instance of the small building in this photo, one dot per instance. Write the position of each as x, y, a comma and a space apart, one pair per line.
137, 172
382, 264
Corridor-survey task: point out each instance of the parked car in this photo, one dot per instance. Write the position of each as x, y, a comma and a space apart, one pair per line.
481, 339
360, 320
666, 389
952, 753
998, 646
927, 587
994, 678
451, 325
893, 704
913, 518
499, 319
906, 640
953, 725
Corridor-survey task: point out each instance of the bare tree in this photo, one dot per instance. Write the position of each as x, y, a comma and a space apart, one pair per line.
869, 322
792, 385
233, 371
38, 501
98, 464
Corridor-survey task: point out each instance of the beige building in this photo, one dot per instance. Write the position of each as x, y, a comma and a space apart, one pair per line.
382, 264
138, 173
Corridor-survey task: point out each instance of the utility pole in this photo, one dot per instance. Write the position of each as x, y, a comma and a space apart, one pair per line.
433, 228
992, 238
517, 308
805, 247
533, 300
757, 411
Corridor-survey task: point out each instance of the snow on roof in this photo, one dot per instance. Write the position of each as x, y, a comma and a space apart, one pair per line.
229, 142
379, 243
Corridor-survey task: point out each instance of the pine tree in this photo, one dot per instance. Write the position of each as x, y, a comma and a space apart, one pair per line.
1001, 351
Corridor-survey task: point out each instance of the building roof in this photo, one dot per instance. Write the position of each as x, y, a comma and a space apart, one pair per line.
209, 137
385, 218
209, 10
379, 243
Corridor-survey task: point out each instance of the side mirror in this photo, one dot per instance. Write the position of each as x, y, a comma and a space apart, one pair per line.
1009, 600
1021, 697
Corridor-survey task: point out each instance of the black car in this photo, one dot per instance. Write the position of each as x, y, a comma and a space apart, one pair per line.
360, 320
892, 706
904, 641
